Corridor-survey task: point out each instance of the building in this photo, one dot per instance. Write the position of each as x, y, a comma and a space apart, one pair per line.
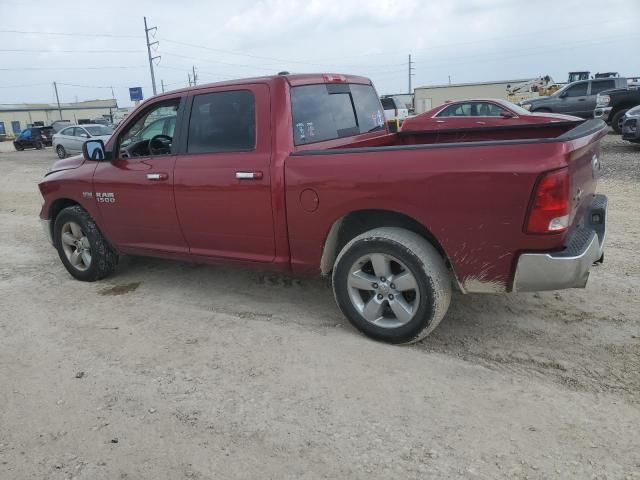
14, 118
432, 96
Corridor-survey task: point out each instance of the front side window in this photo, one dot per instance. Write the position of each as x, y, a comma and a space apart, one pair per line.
330, 111
142, 129
222, 122
80, 132
579, 90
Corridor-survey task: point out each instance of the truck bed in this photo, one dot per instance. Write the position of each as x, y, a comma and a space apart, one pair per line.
471, 194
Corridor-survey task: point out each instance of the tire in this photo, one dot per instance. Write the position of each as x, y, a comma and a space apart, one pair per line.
617, 119
428, 294
61, 151
102, 259
39, 146
18, 147
542, 110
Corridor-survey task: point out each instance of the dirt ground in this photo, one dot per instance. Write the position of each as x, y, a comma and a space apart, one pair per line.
168, 370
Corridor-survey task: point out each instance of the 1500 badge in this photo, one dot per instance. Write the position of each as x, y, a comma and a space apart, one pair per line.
106, 197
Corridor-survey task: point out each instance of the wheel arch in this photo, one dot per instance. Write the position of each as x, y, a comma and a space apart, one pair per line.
357, 222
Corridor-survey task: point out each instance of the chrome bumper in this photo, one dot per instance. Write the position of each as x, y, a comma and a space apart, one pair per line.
46, 226
568, 268
602, 112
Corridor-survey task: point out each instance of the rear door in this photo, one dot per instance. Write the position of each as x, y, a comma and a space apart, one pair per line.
222, 174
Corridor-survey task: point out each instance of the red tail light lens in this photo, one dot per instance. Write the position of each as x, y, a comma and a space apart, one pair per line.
550, 206
332, 77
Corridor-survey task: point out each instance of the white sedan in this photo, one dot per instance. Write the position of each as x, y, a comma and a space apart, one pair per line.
69, 141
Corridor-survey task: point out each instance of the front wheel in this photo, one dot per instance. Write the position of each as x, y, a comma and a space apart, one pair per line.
617, 120
81, 246
392, 285
18, 147
39, 146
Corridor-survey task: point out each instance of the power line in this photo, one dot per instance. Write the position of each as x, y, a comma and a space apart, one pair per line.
103, 67
67, 34
39, 50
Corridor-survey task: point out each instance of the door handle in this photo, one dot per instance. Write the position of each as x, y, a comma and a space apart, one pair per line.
439, 121
248, 175
157, 176
481, 123
582, 99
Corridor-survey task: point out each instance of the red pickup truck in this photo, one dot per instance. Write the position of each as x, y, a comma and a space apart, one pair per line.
299, 173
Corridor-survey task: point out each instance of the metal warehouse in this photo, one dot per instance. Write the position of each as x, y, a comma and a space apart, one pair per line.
15, 117
432, 96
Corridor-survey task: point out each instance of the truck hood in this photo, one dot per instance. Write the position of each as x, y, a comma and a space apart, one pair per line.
67, 163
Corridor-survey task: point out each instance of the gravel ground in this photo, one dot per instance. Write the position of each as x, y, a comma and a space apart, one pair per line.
168, 370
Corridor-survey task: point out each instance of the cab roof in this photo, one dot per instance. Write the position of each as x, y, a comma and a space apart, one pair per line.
294, 80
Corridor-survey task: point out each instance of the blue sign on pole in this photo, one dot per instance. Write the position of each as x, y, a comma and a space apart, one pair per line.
135, 94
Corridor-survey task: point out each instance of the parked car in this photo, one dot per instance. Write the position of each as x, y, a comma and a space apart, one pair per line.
577, 98
394, 109
479, 113
611, 105
33, 137
299, 173
69, 140
58, 125
631, 125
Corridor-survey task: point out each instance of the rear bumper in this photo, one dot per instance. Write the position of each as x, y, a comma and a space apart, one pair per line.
602, 113
568, 268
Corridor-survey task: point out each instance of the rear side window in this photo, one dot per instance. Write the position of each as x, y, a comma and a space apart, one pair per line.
598, 86
67, 131
388, 103
222, 122
329, 111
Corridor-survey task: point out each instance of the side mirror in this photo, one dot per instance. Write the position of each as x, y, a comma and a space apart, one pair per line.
563, 95
505, 114
93, 150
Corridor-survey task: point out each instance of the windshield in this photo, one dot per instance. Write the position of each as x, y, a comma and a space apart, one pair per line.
329, 111
98, 130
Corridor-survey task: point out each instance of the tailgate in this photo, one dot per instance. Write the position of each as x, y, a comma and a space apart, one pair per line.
584, 161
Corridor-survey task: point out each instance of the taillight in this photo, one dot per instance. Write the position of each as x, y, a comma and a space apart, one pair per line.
332, 77
550, 206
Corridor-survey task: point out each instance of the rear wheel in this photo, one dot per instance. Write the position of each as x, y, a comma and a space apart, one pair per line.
617, 120
81, 246
392, 285
39, 146
61, 151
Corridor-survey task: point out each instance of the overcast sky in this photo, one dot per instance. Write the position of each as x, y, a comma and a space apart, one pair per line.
469, 40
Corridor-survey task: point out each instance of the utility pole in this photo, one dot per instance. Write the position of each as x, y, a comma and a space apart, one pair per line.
162, 85
55, 87
195, 77
151, 59
189, 78
411, 74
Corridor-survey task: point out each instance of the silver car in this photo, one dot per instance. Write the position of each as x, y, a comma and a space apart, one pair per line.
69, 140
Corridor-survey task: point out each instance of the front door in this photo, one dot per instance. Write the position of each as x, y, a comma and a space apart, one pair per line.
222, 180
574, 101
134, 191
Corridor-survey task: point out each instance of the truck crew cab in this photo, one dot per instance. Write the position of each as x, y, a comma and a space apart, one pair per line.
299, 173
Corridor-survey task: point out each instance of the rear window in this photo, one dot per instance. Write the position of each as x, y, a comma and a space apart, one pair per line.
388, 104
330, 111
